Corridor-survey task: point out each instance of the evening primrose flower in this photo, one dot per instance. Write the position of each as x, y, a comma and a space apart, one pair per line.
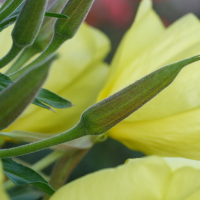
3, 195
78, 75
169, 124
151, 178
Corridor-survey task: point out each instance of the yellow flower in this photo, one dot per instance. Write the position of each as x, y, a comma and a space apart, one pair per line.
151, 178
77, 75
168, 125
3, 195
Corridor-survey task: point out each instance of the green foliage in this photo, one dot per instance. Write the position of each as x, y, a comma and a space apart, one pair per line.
43, 95
53, 99
56, 15
77, 11
15, 98
22, 175
24, 32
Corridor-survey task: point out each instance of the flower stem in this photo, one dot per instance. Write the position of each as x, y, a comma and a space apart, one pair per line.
53, 46
23, 58
5, 4
14, 51
76, 132
63, 169
9, 9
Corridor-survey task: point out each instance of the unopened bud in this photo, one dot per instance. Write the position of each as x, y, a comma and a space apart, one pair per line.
29, 22
102, 116
64, 29
77, 11
26, 28
46, 32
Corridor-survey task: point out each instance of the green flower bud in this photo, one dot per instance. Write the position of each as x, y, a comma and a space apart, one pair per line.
46, 32
77, 11
41, 41
102, 116
64, 29
26, 28
29, 22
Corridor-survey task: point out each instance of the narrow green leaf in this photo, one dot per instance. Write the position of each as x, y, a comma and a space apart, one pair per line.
18, 95
44, 95
5, 4
10, 9
56, 15
5, 81
53, 99
42, 105
22, 175
7, 23
25, 193
11, 18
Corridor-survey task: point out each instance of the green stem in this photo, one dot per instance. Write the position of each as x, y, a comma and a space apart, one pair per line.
54, 45
76, 132
14, 51
40, 165
22, 59
6, 22
5, 4
63, 169
9, 9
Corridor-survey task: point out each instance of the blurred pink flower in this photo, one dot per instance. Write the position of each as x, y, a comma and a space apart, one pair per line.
118, 13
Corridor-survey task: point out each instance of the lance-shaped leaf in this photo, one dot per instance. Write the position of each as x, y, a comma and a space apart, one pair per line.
56, 15
40, 104
43, 95
5, 81
53, 99
16, 97
22, 175
11, 19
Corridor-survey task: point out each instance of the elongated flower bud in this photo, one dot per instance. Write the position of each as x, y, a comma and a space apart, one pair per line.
26, 28
77, 11
29, 22
64, 29
41, 41
46, 32
102, 116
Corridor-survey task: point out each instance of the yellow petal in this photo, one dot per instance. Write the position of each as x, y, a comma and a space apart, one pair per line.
78, 75
169, 123
134, 43
179, 41
151, 178
177, 135
3, 195
5, 41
